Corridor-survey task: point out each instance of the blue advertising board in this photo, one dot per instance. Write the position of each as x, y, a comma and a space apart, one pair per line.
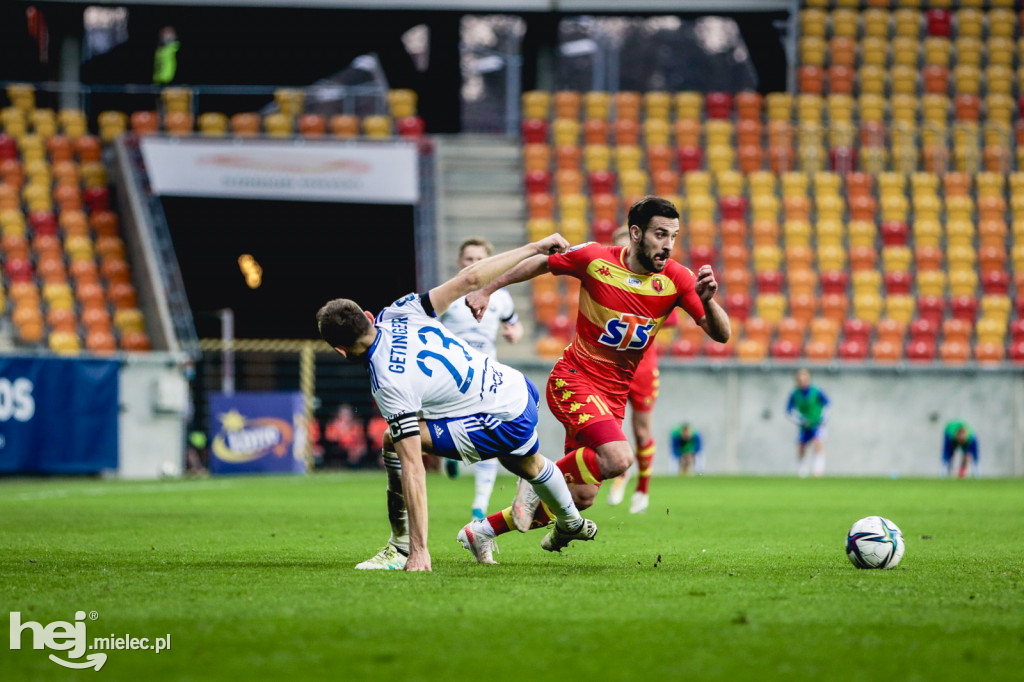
257, 432
58, 415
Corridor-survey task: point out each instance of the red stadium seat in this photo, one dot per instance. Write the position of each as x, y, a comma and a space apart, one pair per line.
931, 308
923, 328
1017, 351
853, 349
410, 127
683, 348
995, 282
702, 255
738, 305
964, 307
898, 282
785, 349
535, 131
834, 281
718, 105
537, 182
939, 22
770, 282
733, 208
856, 329
690, 158
601, 182
921, 350
894, 233
718, 351
603, 230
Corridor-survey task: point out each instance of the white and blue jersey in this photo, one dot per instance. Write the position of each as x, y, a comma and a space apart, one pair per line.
475, 407
481, 335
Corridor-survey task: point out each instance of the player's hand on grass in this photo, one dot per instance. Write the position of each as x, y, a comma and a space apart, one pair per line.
418, 561
554, 243
477, 302
707, 285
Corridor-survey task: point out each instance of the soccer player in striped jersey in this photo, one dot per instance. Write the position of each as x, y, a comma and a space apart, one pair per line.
446, 398
643, 394
626, 295
500, 316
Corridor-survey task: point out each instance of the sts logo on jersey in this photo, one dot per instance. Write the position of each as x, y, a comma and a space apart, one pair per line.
627, 332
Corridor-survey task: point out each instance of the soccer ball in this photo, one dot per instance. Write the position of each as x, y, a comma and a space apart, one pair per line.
874, 542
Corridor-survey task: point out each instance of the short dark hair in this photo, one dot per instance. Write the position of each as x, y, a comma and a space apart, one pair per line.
341, 322
641, 212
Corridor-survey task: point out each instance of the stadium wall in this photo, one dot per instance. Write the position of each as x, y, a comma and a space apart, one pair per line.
884, 422
154, 404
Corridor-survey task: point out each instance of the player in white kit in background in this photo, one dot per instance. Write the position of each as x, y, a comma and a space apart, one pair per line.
500, 315
446, 398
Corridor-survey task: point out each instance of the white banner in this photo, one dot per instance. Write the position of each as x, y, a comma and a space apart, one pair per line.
354, 172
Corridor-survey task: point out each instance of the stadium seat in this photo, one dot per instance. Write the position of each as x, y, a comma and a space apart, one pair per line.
402, 103
535, 104
245, 124
144, 122
178, 123
213, 124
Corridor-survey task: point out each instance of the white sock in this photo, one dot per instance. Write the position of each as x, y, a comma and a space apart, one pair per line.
819, 464
398, 516
484, 474
804, 467
551, 488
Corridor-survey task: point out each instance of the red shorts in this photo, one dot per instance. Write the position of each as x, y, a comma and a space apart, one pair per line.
643, 392
590, 413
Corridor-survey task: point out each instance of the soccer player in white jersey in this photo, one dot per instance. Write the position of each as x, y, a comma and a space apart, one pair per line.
444, 397
500, 314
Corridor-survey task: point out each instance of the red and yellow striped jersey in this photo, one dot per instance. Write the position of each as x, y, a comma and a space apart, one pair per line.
620, 310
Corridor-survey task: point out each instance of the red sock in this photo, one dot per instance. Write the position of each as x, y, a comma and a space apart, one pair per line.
580, 467
541, 518
645, 463
500, 521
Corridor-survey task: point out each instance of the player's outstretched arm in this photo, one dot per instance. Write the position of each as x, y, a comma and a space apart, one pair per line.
715, 321
414, 489
486, 271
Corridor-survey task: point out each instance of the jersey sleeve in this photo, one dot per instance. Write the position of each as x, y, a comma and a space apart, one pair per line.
574, 261
397, 402
507, 308
688, 300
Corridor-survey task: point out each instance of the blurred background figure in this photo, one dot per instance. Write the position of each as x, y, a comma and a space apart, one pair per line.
347, 435
165, 59
959, 436
196, 455
808, 408
686, 450
499, 316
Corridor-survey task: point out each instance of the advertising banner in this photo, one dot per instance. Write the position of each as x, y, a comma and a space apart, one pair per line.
58, 416
257, 432
353, 172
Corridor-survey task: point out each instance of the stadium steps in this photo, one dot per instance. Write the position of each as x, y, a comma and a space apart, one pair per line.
480, 192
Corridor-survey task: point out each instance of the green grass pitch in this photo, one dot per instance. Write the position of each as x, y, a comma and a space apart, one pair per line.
723, 579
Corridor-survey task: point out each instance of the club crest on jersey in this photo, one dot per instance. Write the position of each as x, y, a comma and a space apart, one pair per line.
658, 285
627, 332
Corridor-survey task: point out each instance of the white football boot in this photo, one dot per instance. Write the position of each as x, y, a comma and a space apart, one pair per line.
639, 503
557, 538
387, 559
480, 543
617, 491
524, 505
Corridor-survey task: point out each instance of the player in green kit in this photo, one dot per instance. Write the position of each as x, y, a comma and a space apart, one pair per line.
959, 436
686, 450
808, 407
